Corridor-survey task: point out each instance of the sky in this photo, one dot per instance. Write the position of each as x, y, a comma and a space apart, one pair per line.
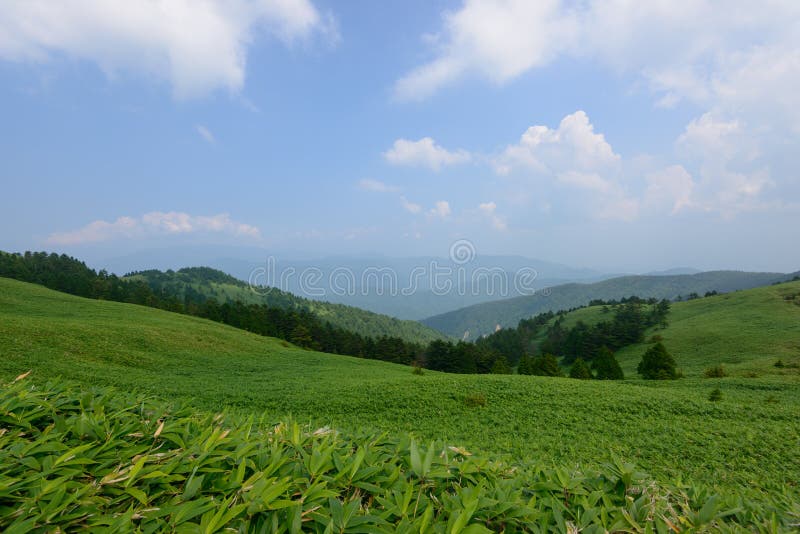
617, 135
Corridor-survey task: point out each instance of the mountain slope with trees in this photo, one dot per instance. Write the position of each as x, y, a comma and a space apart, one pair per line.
670, 429
481, 319
197, 287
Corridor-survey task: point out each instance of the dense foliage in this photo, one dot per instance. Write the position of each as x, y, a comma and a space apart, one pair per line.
606, 366
187, 290
657, 364
631, 318
297, 325
542, 365
482, 319
97, 460
580, 370
744, 445
197, 284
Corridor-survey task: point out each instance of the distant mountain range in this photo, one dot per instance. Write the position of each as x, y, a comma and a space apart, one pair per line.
201, 283
406, 288
480, 319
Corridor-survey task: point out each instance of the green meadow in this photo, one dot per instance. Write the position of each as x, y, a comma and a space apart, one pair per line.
744, 444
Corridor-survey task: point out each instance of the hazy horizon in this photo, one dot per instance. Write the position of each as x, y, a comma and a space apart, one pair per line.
619, 137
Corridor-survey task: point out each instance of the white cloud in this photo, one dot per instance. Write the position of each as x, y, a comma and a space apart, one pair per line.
498, 40
441, 209
743, 57
619, 208
731, 171
585, 180
573, 146
574, 156
424, 153
410, 207
154, 224
206, 134
197, 46
377, 186
489, 209
671, 188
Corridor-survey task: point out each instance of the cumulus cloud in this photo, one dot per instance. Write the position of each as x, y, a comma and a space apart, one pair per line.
744, 58
574, 145
409, 206
489, 210
671, 188
424, 153
377, 186
441, 209
498, 40
206, 134
154, 224
576, 157
196, 46
732, 175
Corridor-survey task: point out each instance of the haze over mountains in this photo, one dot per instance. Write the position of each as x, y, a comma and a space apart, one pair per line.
475, 321
413, 288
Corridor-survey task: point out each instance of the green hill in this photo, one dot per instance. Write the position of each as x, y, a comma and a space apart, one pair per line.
480, 319
745, 331
201, 283
670, 429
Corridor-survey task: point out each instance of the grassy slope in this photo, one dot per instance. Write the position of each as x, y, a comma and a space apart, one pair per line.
745, 331
482, 318
363, 322
749, 439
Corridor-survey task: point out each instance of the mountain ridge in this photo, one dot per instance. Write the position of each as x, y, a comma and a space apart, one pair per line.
480, 319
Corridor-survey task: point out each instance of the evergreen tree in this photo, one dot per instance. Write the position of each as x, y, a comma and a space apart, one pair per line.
657, 364
606, 366
546, 365
525, 366
501, 366
580, 370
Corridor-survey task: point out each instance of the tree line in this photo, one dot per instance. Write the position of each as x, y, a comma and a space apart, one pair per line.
532, 347
298, 326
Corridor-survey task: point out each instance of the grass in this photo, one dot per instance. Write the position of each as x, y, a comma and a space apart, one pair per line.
100, 460
746, 443
744, 331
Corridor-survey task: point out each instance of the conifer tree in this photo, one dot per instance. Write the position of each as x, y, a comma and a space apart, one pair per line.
606, 366
580, 370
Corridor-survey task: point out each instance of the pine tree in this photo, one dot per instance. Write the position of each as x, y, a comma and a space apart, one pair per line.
501, 366
525, 366
580, 370
657, 364
546, 365
606, 366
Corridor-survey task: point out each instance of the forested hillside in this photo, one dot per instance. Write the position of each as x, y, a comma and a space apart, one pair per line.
565, 427
195, 287
197, 284
481, 319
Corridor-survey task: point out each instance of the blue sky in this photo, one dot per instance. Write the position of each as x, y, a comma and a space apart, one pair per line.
614, 135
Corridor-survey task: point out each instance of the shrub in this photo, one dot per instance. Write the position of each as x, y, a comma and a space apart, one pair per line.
417, 369
501, 367
606, 366
657, 364
715, 395
544, 365
580, 370
475, 400
656, 338
715, 372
